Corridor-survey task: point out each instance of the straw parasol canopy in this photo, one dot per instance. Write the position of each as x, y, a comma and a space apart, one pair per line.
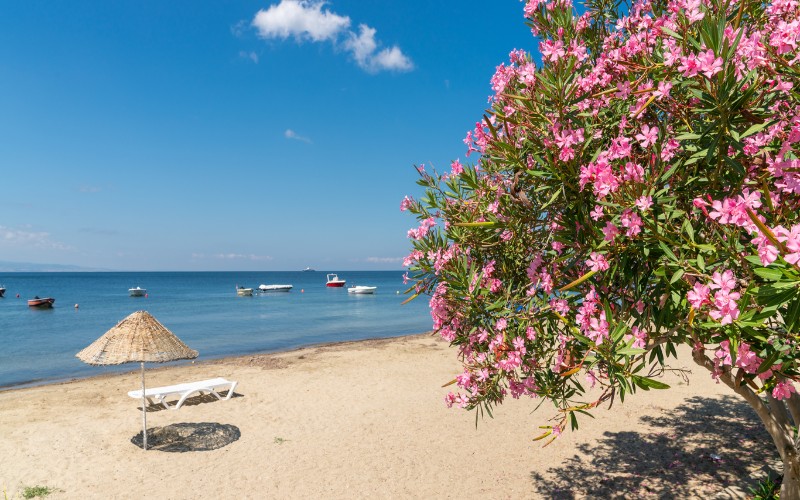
137, 338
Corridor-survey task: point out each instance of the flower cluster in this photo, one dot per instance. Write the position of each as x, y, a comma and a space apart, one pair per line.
638, 189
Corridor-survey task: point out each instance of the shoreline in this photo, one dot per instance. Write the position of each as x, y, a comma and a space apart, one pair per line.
176, 364
361, 419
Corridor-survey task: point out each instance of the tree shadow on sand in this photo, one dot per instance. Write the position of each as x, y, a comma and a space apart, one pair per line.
706, 448
183, 437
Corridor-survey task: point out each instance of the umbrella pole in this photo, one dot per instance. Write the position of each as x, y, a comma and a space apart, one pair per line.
144, 413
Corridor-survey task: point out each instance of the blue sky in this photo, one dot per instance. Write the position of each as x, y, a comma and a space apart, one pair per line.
234, 135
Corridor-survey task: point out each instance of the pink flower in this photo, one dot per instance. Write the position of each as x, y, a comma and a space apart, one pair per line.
783, 390
501, 324
610, 231
597, 213
632, 221
709, 65
723, 354
648, 136
597, 262
591, 378
456, 167
727, 310
406, 203
698, 296
560, 306
639, 335
633, 172
552, 50
791, 239
724, 282
689, 66
644, 203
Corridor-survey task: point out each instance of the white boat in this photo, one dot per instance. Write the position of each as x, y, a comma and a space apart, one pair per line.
334, 281
274, 288
362, 289
137, 292
244, 292
308, 270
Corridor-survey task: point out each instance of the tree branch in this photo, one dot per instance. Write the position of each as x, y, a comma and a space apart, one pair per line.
794, 408
780, 436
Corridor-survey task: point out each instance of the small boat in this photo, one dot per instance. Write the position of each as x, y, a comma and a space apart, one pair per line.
308, 270
137, 292
274, 288
334, 281
244, 292
362, 289
2, 290
41, 303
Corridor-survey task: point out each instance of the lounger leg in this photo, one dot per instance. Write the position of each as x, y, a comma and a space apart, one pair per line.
230, 391
183, 398
163, 401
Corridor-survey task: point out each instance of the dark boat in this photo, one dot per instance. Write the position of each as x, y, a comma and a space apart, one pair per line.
2, 291
41, 303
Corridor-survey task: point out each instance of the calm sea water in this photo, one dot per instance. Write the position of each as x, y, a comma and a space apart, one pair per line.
202, 309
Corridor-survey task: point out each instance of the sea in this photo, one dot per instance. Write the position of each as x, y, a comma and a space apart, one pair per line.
38, 346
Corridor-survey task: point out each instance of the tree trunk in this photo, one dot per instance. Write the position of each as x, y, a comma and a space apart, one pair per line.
775, 418
790, 487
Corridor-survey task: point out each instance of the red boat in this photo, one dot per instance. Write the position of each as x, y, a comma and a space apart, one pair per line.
41, 303
333, 280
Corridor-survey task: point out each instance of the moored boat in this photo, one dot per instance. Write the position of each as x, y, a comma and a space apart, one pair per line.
359, 289
41, 303
274, 288
244, 292
334, 281
137, 292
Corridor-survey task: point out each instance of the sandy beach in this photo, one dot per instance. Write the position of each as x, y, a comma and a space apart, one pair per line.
368, 420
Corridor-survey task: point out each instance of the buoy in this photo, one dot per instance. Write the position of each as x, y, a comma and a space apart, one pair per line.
302, 291
17, 295
76, 306
145, 295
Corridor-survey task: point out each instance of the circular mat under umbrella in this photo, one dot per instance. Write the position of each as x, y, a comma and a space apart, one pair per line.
137, 338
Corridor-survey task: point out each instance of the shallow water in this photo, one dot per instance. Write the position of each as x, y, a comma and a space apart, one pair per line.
201, 308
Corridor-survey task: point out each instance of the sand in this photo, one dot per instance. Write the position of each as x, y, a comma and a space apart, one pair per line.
368, 420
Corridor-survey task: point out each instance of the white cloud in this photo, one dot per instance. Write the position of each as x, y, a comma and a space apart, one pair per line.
363, 45
24, 238
291, 134
249, 55
392, 59
302, 19
306, 20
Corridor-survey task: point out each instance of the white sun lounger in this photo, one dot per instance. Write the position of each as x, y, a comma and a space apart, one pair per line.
159, 395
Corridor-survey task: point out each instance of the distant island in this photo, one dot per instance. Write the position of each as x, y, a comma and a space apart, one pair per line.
32, 267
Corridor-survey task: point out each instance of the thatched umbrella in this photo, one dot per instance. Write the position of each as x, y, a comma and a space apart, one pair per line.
137, 338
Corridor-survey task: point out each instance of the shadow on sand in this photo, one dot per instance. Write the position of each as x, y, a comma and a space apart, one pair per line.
706, 448
192, 401
183, 437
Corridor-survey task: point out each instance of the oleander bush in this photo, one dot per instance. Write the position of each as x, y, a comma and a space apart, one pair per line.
635, 189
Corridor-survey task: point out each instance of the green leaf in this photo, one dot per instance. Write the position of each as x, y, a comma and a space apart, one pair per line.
648, 383
475, 224
678, 275
768, 273
667, 251
631, 351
